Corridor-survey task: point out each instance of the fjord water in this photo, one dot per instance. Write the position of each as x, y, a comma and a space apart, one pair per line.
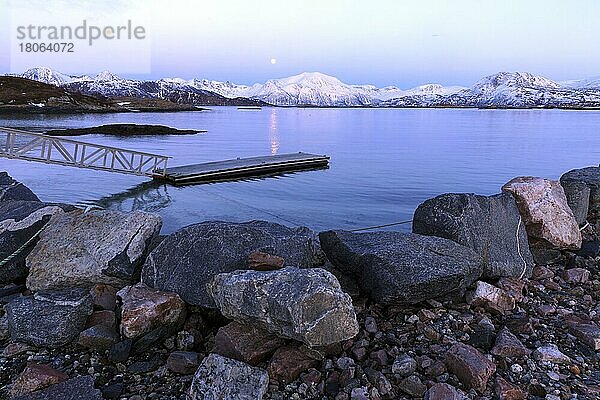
384, 162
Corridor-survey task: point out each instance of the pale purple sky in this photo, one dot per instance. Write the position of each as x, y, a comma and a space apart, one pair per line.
403, 43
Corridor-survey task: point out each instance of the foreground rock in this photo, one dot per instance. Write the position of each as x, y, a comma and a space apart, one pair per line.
582, 190
470, 366
35, 377
548, 218
100, 246
78, 388
443, 391
399, 267
20, 220
144, 309
187, 260
10, 189
491, 297
490, 225
245, 342
220, 378
288, 363
49, 319
303, 304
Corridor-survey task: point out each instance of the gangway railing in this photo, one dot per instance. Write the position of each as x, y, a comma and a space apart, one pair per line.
37, 147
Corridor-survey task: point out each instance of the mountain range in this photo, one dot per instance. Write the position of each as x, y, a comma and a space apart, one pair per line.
501, 90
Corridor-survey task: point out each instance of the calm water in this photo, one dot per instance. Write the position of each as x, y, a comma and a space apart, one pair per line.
384, 162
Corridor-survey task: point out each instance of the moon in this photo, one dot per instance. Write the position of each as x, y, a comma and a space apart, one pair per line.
273, 61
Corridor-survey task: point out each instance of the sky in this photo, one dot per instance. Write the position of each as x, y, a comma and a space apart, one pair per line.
380, 42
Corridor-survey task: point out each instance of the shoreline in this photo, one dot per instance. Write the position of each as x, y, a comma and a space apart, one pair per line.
446, 311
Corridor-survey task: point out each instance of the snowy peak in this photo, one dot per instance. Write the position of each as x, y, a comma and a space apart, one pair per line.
46, 75
315, 79
107, 76
514, 79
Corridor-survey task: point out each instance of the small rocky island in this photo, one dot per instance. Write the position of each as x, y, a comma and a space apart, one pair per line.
123, 130
489, 297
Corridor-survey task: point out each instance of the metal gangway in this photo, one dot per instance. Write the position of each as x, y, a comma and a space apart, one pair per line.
29, 146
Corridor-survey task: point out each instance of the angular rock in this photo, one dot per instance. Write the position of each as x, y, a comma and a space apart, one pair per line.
183, 362
513, 287
220, 378
444, 391
491, 297
186, 261
588, 333
78, 388
413, 386
359, 393
508, 345
100, 246
246, 343
548, 218
490, 225
471, 367
49, 319
104, 317
99, 337
402, 267
507, 391
10, 189
144, 309
104, 297
260, 261
551, 353
576, 275
35, 377
307, 305
404, 365
577, 194
19, 222
288, 363
582, 189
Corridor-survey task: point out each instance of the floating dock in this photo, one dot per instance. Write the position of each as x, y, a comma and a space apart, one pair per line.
29, 146
241, 168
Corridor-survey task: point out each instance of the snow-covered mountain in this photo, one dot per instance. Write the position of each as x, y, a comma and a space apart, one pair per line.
589, 83
501, 90
508, 90
46, 75
107, 84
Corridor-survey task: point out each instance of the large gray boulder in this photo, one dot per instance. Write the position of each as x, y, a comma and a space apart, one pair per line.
303, 304
220, 378
11, 189
77, 388
490, 225
20, 220
582, 189
84, 249
187, 260
548, 218
49, 319
402, 267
